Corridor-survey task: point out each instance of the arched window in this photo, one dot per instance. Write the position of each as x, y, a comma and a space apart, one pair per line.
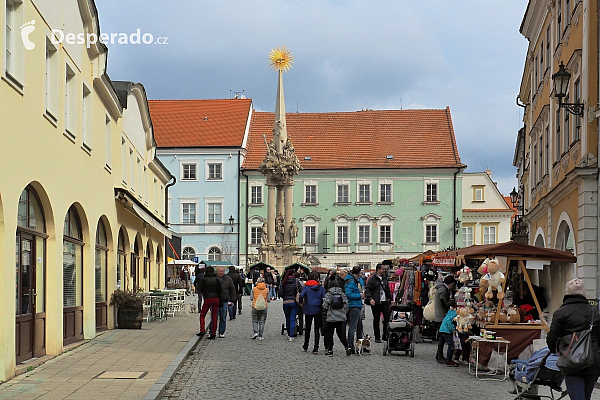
72, 260
121, 258
101, 263
188, 253
214, 254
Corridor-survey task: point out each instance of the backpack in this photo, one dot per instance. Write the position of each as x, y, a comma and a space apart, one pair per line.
337, 302
260, 303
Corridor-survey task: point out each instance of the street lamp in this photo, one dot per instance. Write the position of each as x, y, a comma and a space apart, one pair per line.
518, 227
231, 221
561, 84
514, 197
456, 225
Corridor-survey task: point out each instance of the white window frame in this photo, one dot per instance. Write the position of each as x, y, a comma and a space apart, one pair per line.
425, 194
338, 185
342, 221
488, 234
255, 240
124, 160
51, 81
209, 162
183, 202
71, 101
431, 227
255, 222
385, 220
381, 184
465, 235
208, 254
259, 187
337, 235
307, 236
185, 246
310, 221
479, 190
107, 141
185, 162
214, 200
13, 70
358, 187
132, 187
431, 220
308, 184
363, 223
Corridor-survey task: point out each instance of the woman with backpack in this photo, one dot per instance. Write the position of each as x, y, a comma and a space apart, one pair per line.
312, 298
336, 305
260, 299
288, 290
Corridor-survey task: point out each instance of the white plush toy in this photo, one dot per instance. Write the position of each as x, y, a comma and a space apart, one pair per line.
464, 319
494, 278
467, 291
465, 275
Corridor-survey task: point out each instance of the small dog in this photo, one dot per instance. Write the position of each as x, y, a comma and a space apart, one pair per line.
193, 307
363, 345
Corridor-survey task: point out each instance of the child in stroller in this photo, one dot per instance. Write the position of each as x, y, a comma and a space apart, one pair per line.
400, 331
539, 370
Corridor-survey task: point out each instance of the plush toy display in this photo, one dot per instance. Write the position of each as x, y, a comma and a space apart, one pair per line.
464, 319
502, 318
467, 291
483, 270
526, 311
495, 279
464, 275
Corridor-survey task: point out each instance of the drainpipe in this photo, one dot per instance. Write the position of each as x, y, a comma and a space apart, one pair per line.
167, 186
238, 207
454, 209
246, 215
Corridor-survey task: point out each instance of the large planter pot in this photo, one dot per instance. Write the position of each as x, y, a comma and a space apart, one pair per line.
130, 317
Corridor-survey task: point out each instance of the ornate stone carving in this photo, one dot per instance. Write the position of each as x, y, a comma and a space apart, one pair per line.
566, 35
575, 153
293, 231
558, 52
588, 160
565, 163
577, 13
279, 228
280, 167
556, 171
263, 234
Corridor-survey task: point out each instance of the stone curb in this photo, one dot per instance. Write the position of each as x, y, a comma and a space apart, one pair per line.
158, 389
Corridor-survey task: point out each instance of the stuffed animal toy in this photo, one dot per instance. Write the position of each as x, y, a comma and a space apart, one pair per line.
502, 318
464, 275
526, 311
467, 291
464, 319
513, 316
495, 279
483, 270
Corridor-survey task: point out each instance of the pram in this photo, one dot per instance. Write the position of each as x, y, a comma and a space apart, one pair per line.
400, 331
540, 369
299, 323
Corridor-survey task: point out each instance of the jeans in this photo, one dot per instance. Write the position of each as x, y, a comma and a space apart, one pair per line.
213, 305
232, 310
223, 317
290, 310
239, 304
271, 292
580, 387
339, 328
354, 326
318, 318
258, 321
449, 339
377, 309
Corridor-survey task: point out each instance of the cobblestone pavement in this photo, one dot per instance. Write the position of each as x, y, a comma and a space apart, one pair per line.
238, 367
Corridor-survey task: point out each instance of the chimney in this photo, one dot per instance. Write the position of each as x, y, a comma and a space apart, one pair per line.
489, 172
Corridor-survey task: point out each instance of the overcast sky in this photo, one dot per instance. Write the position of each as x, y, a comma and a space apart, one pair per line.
349, 55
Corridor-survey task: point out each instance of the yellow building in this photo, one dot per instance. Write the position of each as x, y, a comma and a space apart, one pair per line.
81, 194
557, 150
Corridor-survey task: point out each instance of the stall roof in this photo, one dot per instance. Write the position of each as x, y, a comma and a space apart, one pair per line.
298, 266
182, 262
422, 255
260, 266
513, 250
216, 263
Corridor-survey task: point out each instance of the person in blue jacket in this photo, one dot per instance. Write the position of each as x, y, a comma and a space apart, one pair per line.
354, 292
447, 329
312, 297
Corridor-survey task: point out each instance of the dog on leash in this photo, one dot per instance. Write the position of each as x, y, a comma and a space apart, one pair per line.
363, 345
193, 307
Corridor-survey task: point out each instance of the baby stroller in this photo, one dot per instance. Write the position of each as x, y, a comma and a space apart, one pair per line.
400, 331
299, 325
540, 369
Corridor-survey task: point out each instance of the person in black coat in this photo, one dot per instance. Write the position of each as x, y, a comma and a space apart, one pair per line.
576, 315
210, 288
379, 297
239, 287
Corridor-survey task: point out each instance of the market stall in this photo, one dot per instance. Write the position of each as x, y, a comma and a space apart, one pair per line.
513, 259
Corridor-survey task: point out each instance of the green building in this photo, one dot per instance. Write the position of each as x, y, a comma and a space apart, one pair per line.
374, 185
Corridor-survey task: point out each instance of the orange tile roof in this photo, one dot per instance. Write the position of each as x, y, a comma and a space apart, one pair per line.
362, 139
199, 123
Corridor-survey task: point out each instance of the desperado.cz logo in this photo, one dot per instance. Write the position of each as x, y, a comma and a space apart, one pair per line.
89, 39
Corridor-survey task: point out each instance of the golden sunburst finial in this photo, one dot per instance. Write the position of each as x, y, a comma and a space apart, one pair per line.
281, 59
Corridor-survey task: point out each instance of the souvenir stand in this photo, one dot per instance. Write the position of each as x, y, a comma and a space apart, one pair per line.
174, 268
520, 335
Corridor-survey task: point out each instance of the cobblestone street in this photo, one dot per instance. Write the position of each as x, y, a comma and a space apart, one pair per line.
241, 368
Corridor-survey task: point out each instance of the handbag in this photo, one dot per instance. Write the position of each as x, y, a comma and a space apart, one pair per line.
575, 351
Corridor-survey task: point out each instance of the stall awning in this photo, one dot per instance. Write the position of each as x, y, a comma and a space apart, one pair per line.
512, 250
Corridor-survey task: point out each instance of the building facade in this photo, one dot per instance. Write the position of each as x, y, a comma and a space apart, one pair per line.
557, 150
202, 143
486, 216
374, 185
72, 216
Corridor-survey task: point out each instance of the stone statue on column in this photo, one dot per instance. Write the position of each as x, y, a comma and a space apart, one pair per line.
293, 231
279, 228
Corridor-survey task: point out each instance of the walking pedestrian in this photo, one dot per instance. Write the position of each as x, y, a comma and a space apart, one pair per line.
336, 305
277, 284
260, 300
378, 296
242, 290
355, 295
239, 286
444, 299
312, 298
184, 276
199, 275
270, 281
288, 290
447, 329
574, 315
210, 288
192, 285
227, 297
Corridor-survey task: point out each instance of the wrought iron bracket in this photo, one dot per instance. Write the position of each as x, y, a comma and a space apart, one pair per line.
573, 108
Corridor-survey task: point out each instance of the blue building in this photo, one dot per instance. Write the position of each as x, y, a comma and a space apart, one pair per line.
202, 143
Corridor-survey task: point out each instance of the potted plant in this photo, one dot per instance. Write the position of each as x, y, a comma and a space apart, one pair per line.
130, 308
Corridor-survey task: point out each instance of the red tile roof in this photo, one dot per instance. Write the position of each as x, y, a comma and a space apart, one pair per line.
362, 139
199, 123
